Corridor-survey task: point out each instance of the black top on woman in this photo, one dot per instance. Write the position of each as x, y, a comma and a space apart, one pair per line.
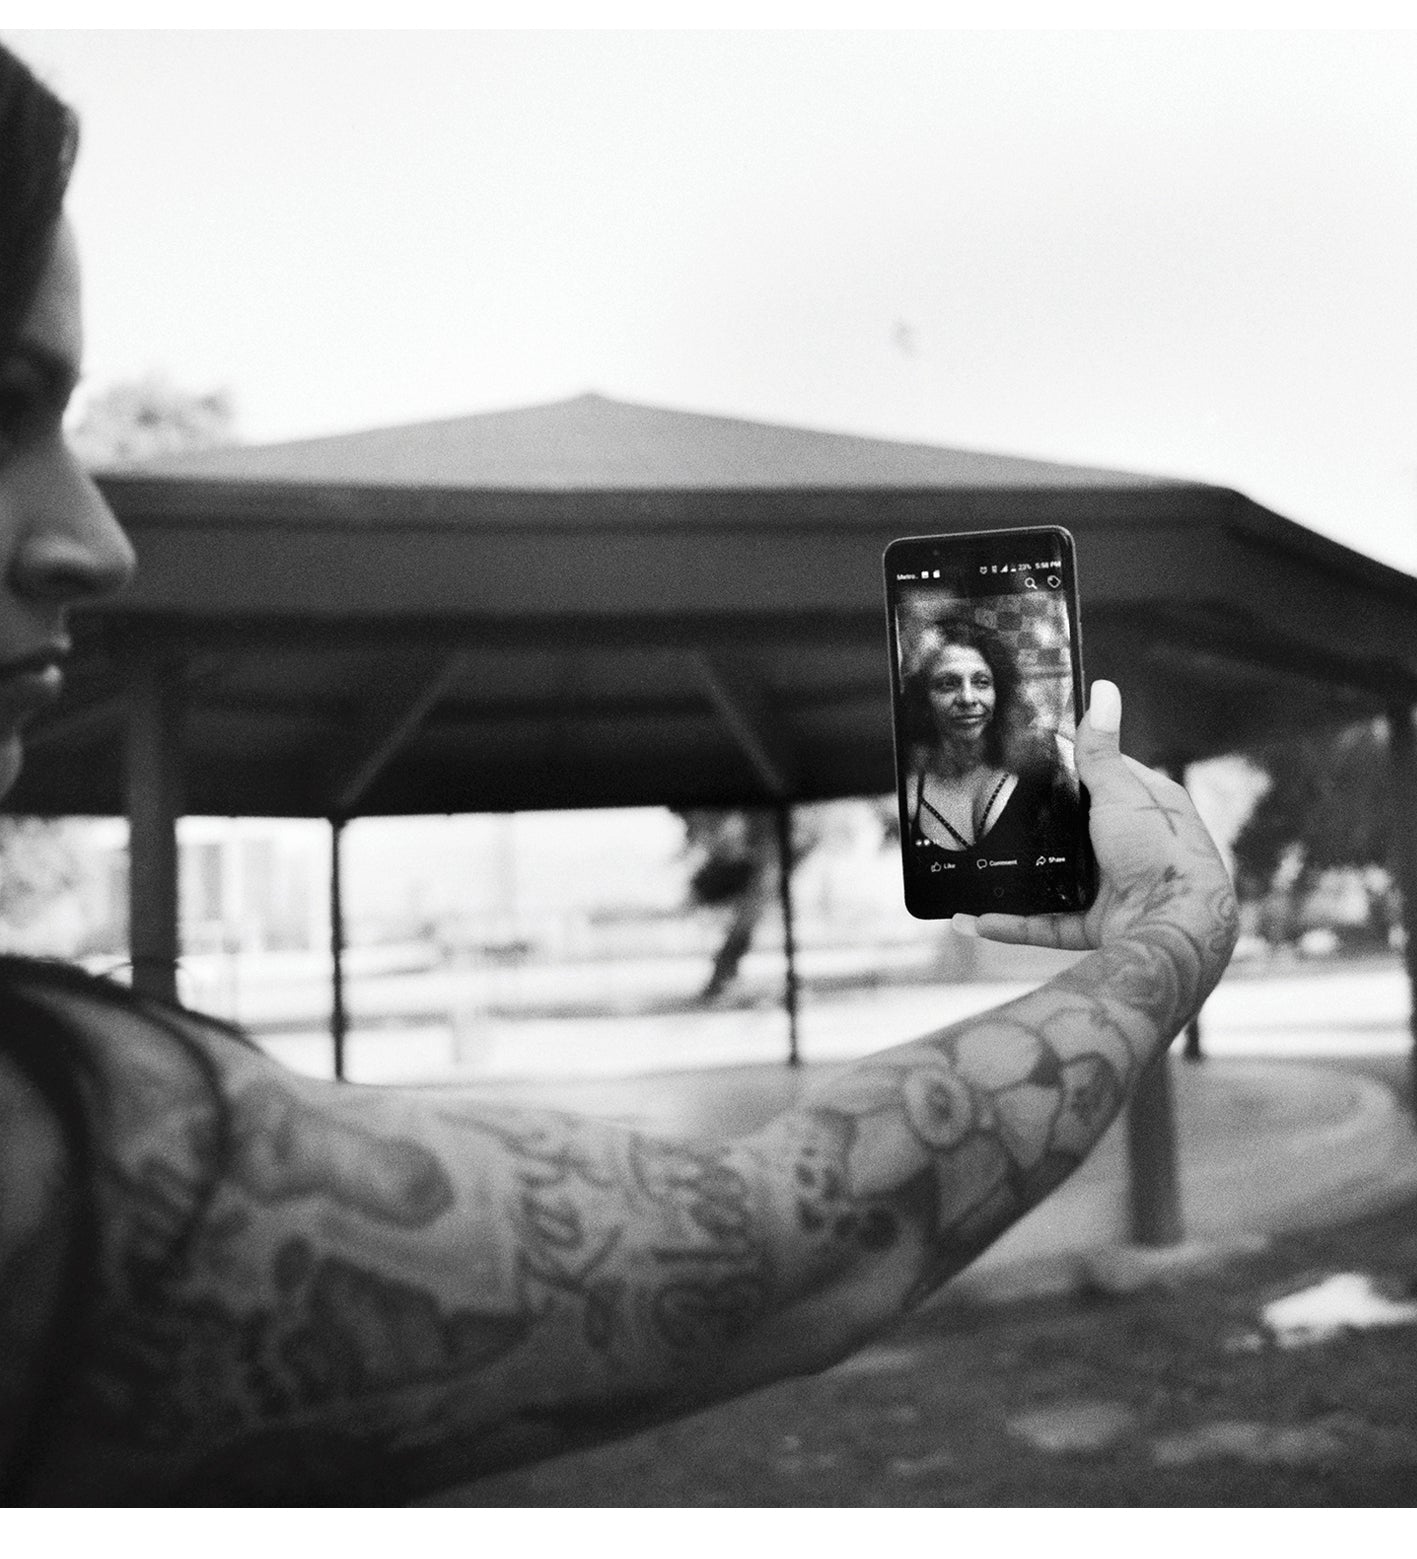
982, 772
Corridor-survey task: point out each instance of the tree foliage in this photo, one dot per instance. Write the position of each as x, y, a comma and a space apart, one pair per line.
735, 870
132, 423
1326, 807
38, 865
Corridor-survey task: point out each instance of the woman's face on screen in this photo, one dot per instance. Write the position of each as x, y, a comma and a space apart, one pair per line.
961, 692
59, 542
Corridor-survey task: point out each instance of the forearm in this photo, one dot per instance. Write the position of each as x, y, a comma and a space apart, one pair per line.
902, 1169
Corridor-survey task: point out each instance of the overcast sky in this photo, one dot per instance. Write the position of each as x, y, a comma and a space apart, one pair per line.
1184, 253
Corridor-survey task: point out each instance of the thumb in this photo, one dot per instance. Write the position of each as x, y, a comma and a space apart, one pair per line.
1099, 753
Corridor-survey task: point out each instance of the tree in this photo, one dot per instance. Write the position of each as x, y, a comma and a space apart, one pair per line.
736, 866
38, 866
1326, 807
142, 420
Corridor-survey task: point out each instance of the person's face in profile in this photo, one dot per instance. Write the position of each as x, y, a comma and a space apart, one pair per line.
961, 692
59, 543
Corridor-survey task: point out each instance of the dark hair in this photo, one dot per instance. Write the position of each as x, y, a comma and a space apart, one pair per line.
39, 136
1006, 736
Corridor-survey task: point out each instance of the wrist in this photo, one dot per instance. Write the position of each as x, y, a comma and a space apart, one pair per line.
1165, 963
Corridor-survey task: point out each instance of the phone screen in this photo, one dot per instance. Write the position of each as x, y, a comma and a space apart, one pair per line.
986, 670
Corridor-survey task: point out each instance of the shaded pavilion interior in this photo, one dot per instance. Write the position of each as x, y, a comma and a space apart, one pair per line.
594, 604
597, 604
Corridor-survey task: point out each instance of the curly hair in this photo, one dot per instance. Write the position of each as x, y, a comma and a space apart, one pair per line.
1009, 738
39, 137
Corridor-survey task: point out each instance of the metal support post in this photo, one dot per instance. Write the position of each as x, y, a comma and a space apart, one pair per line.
1191, 1047
339, 1022
785, 861
1153, 1175
1402, 835
1151, 1153
153, 760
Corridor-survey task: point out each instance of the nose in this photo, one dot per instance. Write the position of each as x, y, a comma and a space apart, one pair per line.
72, 548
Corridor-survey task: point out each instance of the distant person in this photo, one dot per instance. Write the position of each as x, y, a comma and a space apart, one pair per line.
224, 1283
981, 770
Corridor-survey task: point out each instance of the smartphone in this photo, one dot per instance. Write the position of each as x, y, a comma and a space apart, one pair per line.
986, 683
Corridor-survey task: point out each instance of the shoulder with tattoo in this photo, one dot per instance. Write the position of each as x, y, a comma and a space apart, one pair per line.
303, 1284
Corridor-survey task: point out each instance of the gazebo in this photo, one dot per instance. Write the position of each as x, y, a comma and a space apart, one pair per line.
593, 603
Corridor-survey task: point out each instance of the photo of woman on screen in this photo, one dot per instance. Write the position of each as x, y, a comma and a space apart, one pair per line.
985, 773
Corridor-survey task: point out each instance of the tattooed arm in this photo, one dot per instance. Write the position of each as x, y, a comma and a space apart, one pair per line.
316, 1293
936, 1147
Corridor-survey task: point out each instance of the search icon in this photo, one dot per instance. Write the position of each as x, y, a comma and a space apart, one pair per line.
1029, 582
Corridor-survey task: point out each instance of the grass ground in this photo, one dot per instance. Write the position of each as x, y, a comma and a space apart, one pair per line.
1154, 1399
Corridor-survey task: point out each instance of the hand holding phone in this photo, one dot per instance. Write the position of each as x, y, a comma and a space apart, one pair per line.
1164, 893
986, 675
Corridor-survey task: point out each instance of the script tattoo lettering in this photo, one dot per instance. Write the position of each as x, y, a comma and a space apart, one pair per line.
580, 1187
